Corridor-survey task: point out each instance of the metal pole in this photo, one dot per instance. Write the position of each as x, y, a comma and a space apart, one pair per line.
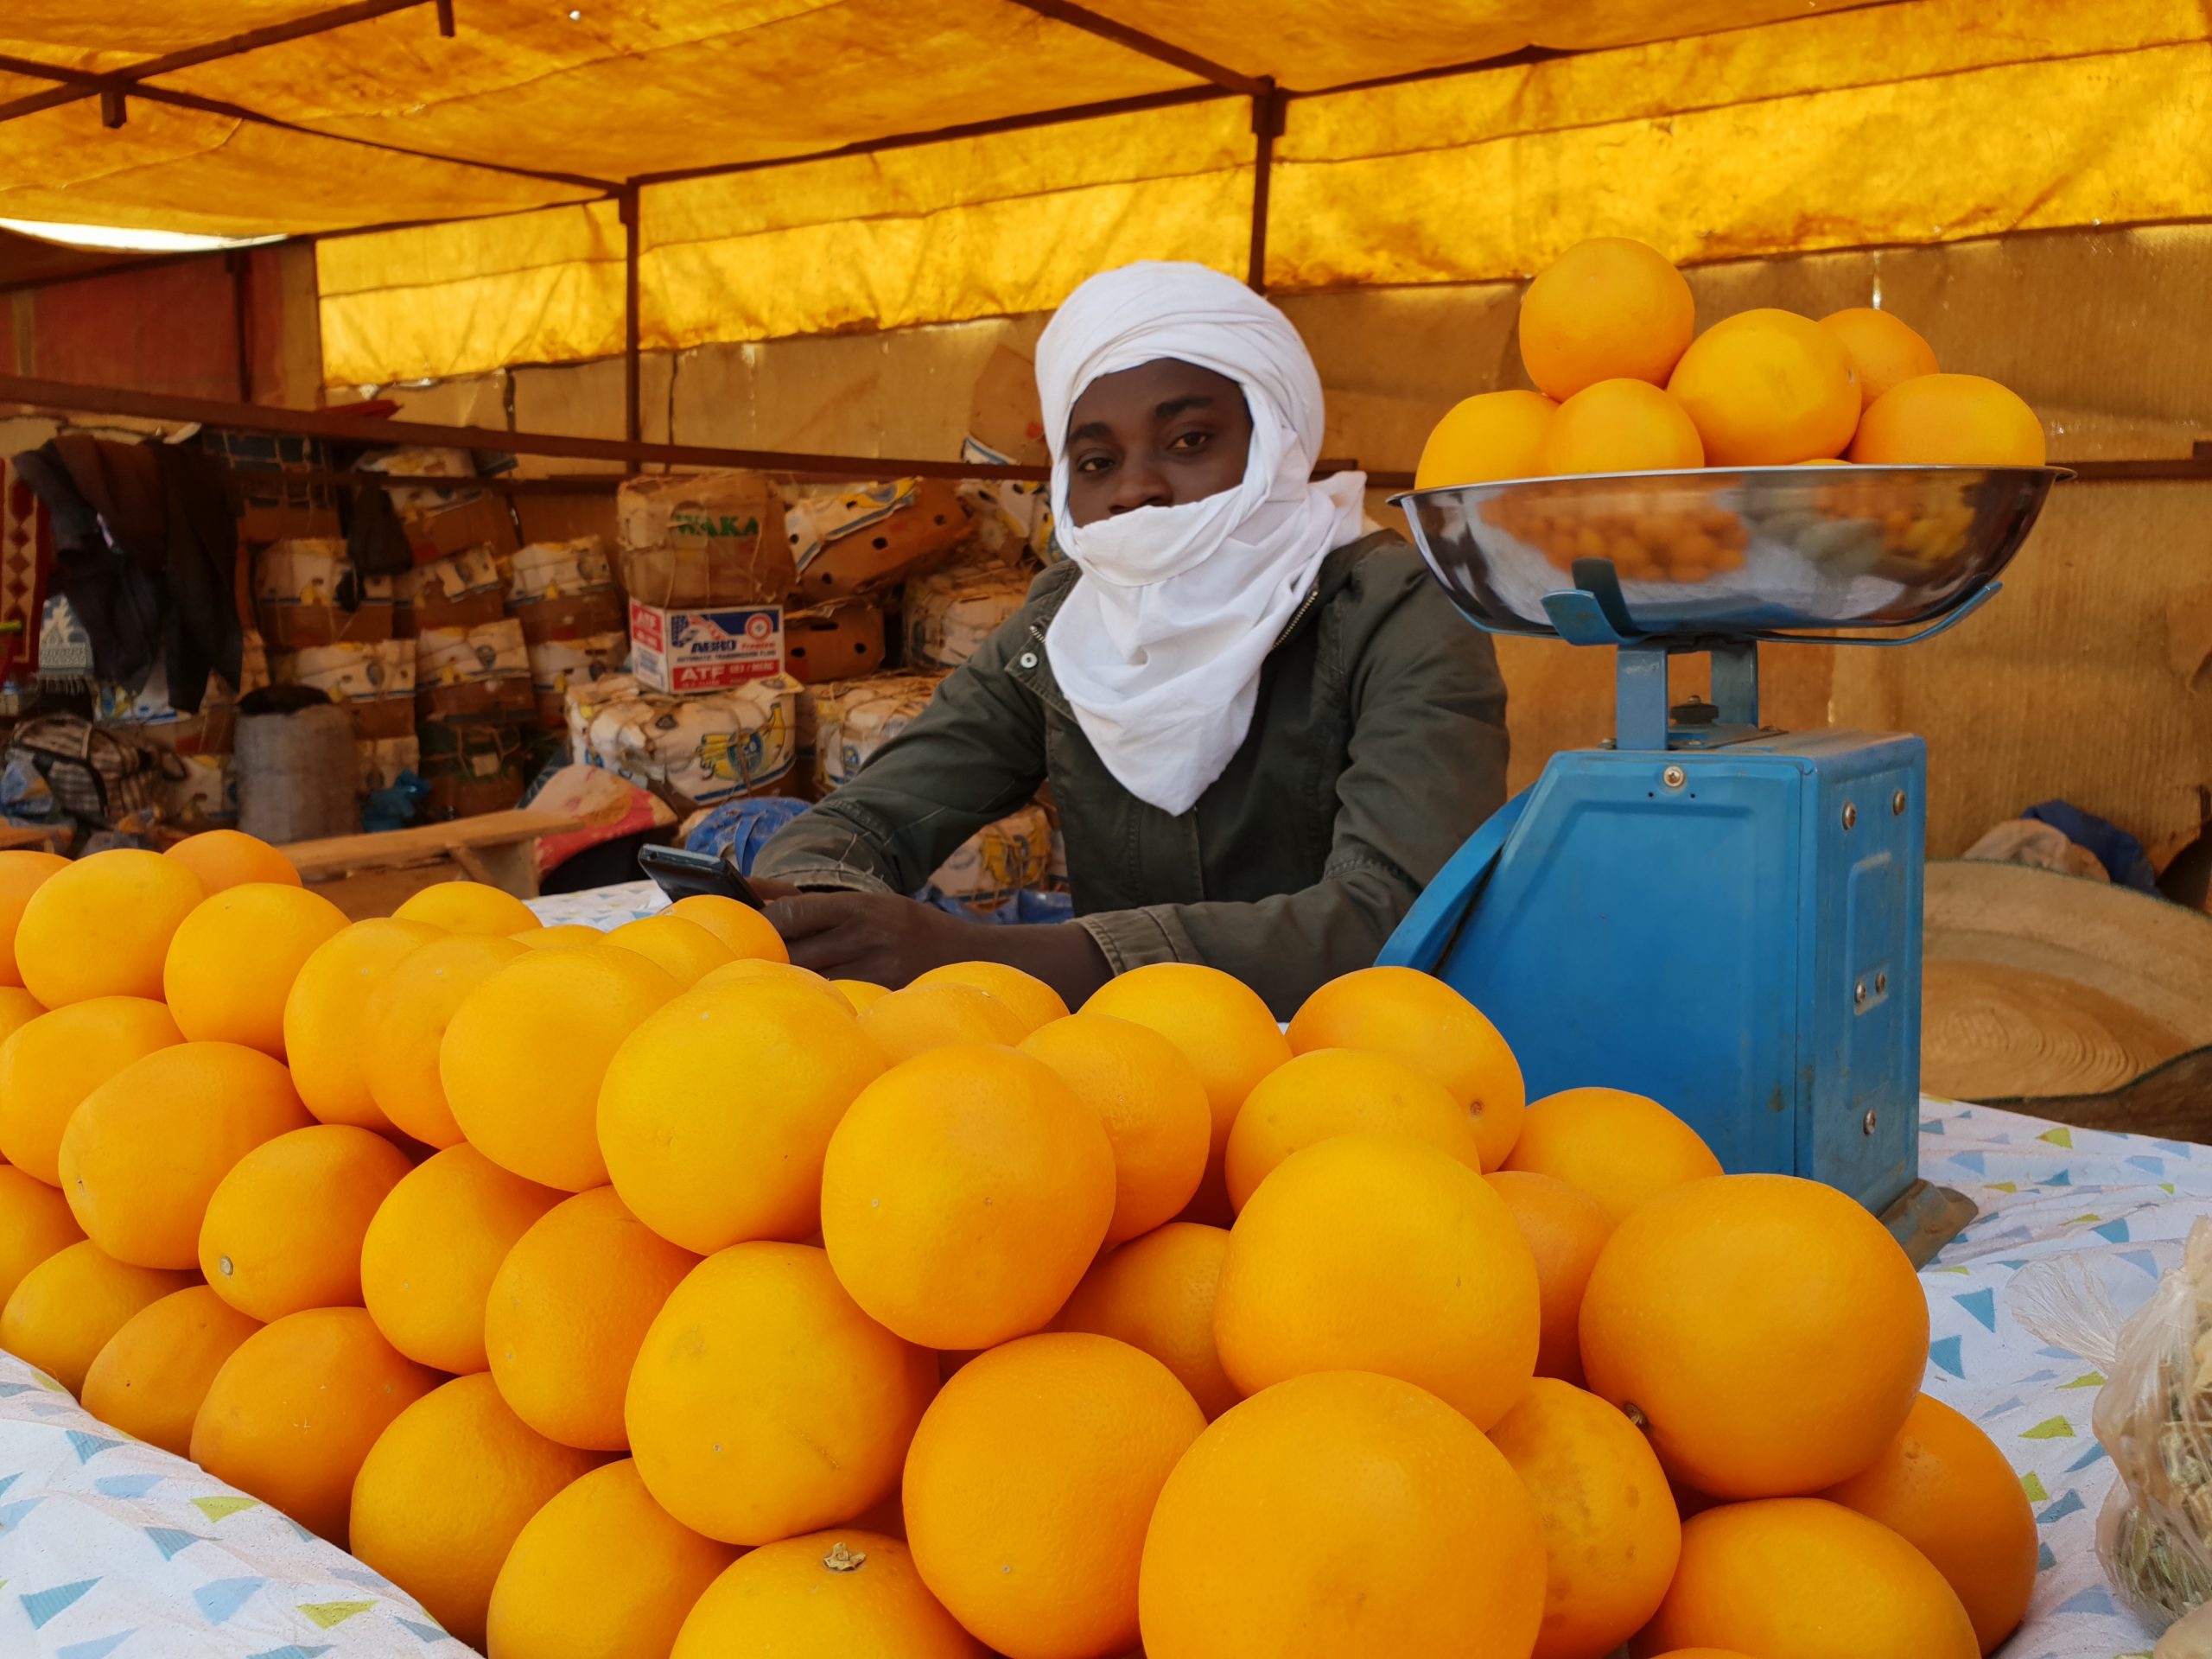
632, 407
1269, 109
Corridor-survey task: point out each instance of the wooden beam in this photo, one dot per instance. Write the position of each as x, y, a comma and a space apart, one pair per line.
230, 46
1150, 46
334, 424
633, 422
990, 128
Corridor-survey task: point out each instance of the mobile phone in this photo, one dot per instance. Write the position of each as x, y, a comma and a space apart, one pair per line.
682, 873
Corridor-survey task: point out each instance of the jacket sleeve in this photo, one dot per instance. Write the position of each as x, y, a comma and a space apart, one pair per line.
974, 755
1426, 765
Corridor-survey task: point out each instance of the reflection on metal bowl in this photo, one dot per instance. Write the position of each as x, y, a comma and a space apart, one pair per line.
1748, 550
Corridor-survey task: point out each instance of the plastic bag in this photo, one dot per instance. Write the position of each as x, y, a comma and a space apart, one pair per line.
2153, 1415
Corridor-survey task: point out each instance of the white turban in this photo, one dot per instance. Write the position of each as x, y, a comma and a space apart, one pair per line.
1159, 648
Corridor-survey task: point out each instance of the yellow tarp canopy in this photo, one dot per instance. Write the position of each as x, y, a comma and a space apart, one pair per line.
1715, 128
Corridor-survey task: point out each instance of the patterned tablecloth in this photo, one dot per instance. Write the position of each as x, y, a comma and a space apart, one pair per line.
112, 1548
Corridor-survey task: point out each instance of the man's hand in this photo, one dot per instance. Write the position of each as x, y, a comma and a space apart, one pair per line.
877, 937
887, 940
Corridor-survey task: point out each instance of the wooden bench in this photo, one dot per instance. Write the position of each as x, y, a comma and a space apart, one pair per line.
370, 875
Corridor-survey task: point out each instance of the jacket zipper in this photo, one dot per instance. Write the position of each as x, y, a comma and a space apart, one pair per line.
1297, 616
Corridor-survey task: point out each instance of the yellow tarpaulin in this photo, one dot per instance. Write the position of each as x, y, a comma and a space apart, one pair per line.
1716, 129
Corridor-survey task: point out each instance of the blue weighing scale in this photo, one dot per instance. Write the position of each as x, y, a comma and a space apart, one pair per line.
1705, 909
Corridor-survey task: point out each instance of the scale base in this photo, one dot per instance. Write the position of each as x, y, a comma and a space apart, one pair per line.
1926, 1217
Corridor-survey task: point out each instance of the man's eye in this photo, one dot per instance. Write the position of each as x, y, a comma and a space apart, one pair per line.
1093, 465
1189, 442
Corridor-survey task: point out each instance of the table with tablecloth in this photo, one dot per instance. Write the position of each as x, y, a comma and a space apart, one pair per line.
109, 1548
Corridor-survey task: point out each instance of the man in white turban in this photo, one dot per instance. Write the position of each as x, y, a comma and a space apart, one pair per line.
1264, 727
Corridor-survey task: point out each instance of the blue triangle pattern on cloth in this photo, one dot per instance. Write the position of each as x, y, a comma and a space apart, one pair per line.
170, 1539
307, 1536
2086, 1458
2154, 1168
367, 1580
9, 1390
98, 1647
2057, 1353
426, 1632
1933, 1126
1972, 1160
2142, 1259
218, 1600
2063, 1178
2069, 1504
127, 1485
2094, 1599
290, 1650
2044, 1559
1982, 1304
2013, 1404
2113, 1231
1943, 1354
12, 1513
91, 1446
2179, 1149
6, 1481
42, 1605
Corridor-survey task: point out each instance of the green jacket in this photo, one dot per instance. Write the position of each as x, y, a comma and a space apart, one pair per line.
1377, 745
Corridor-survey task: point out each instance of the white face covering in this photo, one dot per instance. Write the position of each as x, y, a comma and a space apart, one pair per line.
1159, 648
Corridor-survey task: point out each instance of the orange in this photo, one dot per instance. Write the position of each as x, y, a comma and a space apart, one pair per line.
964, 1194
1222, 1029
1422, 1023
1157, 1293
1620, 427
34, 1224
750, 970
1767, 388
232, 963
444, 1492
568, 936
283, 1229
296, 1407
682, 948
433, 1247
21, 873
1884, 351
764, 1403
1029, 1484
829, 1595
1944, 1487
1606, 309
49, 1065
1332, 1091
1151, 1103
522, 1058
469, 907
1375, 1252
1566, 1229
601, 1570
1611, 1533
102, 926
1037, 1003
922, 1017
18, 1007
1768, 1332
1341, 1516
860, 992
69, 1306
405, 1020
715, 1112
1933, 419
150, 1378
1802, 1578
569, 1310
145, 1151
323, 1012
743, 929
223, 858
1622, 1149
1491, 436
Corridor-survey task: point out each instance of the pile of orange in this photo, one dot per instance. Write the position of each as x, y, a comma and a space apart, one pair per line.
644, 1294
1624, 384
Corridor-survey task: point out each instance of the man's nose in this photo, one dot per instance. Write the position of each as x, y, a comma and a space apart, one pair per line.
1139, 484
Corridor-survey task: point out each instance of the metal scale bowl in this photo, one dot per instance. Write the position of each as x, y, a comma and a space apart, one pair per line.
1706, 910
